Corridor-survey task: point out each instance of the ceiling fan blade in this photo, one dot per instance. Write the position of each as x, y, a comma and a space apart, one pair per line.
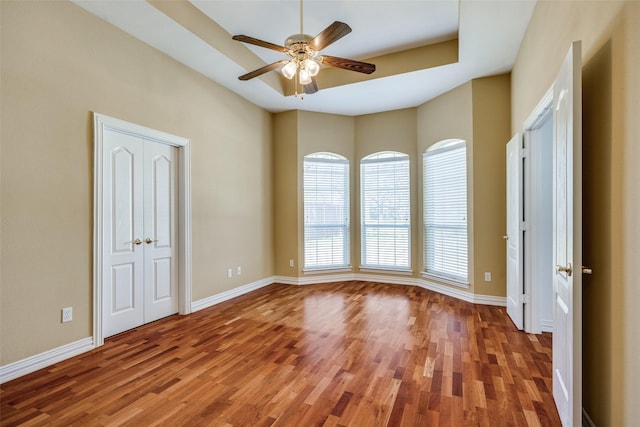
348, 64
260, 71
311, 87
332, 33
261, 43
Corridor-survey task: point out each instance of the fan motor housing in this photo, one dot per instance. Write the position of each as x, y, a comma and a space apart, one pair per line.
297, 38
298, 44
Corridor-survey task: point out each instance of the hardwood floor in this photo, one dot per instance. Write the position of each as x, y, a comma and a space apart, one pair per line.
338, 354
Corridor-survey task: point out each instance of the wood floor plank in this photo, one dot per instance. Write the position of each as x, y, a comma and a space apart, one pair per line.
336, 354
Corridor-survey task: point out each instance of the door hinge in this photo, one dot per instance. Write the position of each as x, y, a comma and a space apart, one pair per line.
524, 299
524, 226
524, 152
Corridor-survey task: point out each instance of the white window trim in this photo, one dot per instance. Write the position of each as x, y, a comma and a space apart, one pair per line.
367, 269
324, 270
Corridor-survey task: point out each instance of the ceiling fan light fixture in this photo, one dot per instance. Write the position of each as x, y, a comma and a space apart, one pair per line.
305, 77
290, 69
312, 67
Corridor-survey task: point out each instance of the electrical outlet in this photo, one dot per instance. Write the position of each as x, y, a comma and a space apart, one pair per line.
230, 273
67, 314
239, 270
291, 263
487, 276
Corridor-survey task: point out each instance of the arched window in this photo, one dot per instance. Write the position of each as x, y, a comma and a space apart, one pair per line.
326, 211
445, 210
385, 211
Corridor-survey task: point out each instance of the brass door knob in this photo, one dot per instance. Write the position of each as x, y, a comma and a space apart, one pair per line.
586, 270
565, 269
148, 240
137, 242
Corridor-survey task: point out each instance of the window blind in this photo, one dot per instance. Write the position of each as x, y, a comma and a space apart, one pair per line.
445, 210
385, 211
326, 211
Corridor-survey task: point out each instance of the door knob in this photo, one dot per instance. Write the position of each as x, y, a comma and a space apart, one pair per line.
562, 269
148, 240
137, 242
586, 270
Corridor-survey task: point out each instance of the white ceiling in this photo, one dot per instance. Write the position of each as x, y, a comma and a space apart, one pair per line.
489, 33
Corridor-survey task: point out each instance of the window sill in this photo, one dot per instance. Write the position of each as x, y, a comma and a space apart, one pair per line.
326, 270
445, 280
404, 272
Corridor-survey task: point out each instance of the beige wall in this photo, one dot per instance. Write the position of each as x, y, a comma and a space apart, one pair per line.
325, 132
285, 179
610, 34
447, 116
491, 132
627, 113
60, 63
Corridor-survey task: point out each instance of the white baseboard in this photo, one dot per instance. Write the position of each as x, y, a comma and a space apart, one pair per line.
489, 300
314, 279
231, 293
410, 281
546, 325
42, 360
462, 294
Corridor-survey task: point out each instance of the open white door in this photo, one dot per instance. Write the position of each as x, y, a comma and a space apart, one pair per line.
515, 283
567, 238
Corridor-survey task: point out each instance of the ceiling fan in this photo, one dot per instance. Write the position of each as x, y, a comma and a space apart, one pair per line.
306, 59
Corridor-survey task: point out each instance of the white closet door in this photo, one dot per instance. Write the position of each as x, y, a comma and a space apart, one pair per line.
160, 270
139, 235
123, 251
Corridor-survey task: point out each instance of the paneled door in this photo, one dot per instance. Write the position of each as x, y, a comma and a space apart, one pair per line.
139, 233
567, 238
515, 268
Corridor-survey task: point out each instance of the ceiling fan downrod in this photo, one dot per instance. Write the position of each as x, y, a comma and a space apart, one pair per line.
301, 20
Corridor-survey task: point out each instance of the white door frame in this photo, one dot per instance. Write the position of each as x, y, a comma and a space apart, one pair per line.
101, 123
532, 321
